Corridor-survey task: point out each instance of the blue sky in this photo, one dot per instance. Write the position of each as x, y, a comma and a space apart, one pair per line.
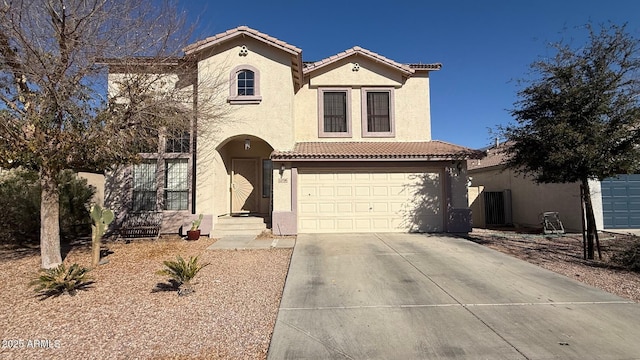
484, 46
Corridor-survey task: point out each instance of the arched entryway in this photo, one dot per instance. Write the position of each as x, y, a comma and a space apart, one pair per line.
248, 166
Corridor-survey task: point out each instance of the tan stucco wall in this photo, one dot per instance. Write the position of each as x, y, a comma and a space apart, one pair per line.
98, 182
411, 98
282, 200
271, 120
458, 178
529, 200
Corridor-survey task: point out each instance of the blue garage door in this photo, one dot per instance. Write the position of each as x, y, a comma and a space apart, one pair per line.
621, 202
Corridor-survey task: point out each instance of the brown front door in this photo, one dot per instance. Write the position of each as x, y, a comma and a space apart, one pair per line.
244, 185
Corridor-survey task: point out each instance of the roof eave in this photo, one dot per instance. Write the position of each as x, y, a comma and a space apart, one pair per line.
355, 51
238, 32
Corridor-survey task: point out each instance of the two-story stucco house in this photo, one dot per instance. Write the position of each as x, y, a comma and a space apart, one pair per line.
338, 145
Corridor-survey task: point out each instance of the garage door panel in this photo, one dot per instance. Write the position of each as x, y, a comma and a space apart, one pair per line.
325, 177
344, 208
380, 208
327, 208
621, 202
327, 224
380, 224
326, 191
380, 191
344, 224
362, 207
369, 200
379, 176
310, 225
362, 225
309, 190
308, 208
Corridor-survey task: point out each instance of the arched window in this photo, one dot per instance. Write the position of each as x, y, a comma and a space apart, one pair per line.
244, 86
246, 83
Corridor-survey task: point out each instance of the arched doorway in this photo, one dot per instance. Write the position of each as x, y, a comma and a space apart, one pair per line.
248, 166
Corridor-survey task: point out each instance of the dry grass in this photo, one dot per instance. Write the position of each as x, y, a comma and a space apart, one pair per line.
564, 254
231, 314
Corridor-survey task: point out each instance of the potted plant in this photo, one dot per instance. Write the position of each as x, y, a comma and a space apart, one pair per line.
194, 233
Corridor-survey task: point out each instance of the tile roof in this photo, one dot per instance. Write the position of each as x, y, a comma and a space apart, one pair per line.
241, 30
496, 156
356, 50
435, 66
416, 150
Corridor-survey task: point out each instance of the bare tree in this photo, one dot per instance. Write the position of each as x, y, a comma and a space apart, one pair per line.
57, 110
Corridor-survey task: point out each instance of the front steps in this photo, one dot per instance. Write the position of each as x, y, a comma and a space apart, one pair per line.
238, 226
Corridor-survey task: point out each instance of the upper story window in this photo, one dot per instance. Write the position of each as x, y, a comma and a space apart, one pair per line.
246, 82
334, 112
244, 86
378, 112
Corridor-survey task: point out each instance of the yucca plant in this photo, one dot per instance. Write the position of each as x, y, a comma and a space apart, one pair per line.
60, 280
182, 272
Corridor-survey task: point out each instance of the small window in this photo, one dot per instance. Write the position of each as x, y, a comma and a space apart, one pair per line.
144, 187
176, 191
377, 113
178, 142
334, 110
267, 175
244, 85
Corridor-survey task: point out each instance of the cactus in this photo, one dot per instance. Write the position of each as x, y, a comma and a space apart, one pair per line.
101, 220
196, 223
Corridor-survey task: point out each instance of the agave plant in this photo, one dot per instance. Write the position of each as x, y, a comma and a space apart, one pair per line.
182, 272
60, 280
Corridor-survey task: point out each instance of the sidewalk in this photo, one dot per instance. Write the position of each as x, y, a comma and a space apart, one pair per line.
244, 242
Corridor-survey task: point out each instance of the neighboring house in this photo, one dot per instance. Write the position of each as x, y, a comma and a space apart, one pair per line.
499, 196
339, 145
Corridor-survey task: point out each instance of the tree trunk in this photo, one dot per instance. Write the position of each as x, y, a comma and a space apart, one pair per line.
49, 220
591, 220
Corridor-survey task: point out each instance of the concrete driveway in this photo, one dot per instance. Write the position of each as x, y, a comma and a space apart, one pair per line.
412, 296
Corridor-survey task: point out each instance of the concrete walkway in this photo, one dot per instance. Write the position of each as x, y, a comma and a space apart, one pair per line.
410, 296
243, 242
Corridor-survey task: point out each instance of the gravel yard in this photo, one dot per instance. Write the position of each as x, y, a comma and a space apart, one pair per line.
230, 315
563, 254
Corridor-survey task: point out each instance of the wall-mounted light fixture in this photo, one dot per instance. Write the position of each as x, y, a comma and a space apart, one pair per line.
281, 170
247, 144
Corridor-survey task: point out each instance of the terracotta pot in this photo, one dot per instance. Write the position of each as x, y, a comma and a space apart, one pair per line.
193, 234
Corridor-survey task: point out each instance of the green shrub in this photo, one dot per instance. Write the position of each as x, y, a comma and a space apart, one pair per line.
60, 280
75, 202
182, 272
20, 202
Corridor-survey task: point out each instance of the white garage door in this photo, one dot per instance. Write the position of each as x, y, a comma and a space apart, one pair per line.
371, 200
